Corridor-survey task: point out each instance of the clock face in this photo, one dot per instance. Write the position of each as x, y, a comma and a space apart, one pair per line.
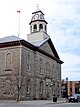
41, 16
35, 17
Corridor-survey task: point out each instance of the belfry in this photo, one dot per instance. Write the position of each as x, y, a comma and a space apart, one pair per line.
38, 26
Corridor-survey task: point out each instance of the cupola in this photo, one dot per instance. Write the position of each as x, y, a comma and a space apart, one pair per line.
38, 27
38, 22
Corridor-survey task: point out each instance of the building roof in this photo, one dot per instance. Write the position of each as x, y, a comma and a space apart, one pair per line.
9, 39
39, 43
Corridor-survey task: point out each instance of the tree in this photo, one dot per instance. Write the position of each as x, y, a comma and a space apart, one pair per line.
17, 81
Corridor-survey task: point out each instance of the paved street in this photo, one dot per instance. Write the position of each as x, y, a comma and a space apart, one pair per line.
39, 103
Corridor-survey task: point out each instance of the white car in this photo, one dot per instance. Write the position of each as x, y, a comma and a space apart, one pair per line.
74, 98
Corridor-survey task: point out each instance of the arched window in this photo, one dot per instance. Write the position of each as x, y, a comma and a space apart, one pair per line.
8, 61
7, 90
40, 27
28, 86
35, 27
41, 87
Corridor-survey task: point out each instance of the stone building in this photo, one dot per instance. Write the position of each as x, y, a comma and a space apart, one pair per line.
30, 69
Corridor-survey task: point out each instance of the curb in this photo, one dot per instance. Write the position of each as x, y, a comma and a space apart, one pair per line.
44, 102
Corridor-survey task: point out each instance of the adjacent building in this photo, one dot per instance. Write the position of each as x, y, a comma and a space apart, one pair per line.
30, 69
70, 87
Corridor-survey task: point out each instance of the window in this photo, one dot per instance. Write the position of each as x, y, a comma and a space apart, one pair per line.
48, 69
8, 61
31, 28
45, 27
7, 87
35, 27
76, 87
40, 27
47, 89
52, 71
70, 89
27, 89
28, 85
41, 16
41, 64
41, 87
28, 62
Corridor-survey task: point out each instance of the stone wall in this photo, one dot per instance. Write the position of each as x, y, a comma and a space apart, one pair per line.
34, 75
9, 66
38, 80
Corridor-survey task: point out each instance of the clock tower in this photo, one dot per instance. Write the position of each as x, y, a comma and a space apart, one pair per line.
38, 26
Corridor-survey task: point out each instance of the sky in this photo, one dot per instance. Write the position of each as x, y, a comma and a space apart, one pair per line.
63, 17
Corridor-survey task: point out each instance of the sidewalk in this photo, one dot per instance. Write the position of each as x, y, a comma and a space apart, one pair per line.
36, 102
42, 102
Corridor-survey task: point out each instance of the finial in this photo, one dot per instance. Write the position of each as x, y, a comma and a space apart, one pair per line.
37, 7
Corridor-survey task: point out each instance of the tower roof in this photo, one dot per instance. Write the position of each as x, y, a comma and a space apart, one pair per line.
38, 15
38, 10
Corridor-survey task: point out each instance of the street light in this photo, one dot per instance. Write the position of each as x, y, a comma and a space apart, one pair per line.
66, 87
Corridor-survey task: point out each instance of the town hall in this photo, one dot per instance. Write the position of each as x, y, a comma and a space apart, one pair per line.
30, 69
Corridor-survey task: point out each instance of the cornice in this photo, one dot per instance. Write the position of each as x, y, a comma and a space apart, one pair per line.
9, 44
38, 20
30, 46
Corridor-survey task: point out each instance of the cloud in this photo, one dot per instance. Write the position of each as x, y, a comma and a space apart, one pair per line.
72, 61
71, 66
72, 76
65, 33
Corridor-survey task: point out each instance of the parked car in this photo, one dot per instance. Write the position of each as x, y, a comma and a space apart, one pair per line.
74, 98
